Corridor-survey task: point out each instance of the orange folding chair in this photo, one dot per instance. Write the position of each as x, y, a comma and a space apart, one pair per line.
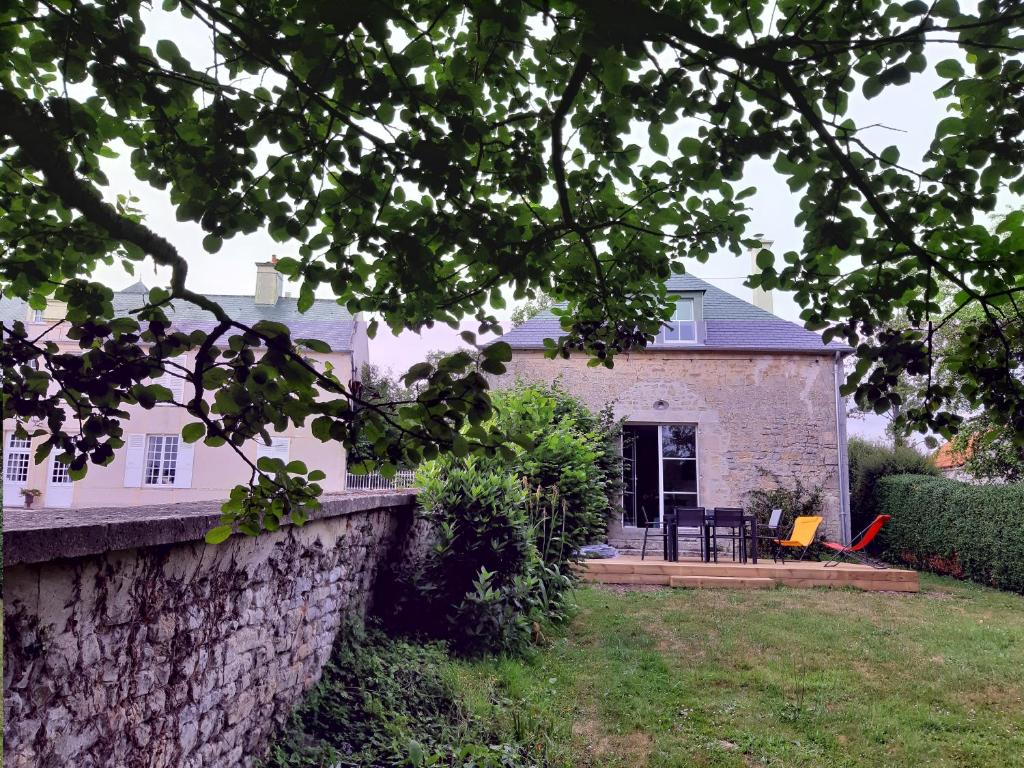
855, 549
804, 530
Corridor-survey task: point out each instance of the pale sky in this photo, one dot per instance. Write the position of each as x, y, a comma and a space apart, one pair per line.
911, 111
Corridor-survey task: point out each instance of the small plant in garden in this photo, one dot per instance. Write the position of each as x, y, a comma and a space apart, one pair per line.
796, 500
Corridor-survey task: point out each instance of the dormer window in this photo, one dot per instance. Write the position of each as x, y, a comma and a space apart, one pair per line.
682, 326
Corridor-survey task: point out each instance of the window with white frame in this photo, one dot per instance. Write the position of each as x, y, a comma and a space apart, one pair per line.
682, 326
59, 474
16, 459
37, 315
172, 378
679, 464
161, 459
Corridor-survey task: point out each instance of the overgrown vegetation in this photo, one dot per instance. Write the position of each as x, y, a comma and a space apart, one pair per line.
384, 702
969, 531
870, 462
782, 678
990, 450
508, 529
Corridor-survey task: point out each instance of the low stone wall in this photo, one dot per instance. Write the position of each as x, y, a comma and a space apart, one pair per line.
130, 642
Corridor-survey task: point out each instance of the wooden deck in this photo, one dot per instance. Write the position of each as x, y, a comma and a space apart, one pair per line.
694, 573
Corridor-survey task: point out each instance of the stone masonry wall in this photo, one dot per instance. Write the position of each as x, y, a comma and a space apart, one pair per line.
752, 410
175, 653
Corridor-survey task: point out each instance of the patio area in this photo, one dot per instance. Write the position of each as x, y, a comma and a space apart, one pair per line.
630, 569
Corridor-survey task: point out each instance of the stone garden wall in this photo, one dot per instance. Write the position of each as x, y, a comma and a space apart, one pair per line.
129, 642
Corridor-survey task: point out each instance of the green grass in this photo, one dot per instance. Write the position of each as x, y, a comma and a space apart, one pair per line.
771, 678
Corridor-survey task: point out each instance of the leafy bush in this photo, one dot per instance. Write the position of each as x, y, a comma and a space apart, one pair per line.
483, 583
567, 447
386, 702
509, 526
869, 463
969, 531
989, 449
796, 501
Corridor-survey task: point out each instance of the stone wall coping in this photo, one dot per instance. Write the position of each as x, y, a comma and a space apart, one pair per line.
40, 535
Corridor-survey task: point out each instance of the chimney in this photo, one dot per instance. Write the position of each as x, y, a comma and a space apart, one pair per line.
268, 282
761, 297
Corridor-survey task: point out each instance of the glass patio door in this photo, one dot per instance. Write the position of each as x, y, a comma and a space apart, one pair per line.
659, 469
678, 465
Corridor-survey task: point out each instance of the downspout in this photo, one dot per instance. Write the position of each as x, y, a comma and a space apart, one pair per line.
844, 467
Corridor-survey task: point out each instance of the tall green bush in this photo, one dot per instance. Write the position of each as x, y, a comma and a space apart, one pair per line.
508, 526
484, 582
969, 531
566, 446
870, 462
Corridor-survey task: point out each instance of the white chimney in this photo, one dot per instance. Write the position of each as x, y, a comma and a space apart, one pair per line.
761, 297
268, 282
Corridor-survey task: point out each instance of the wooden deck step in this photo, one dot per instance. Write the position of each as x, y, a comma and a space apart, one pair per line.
721, 582
632, 570
798, 571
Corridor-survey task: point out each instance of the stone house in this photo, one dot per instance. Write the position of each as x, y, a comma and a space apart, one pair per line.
156, 466
726, 394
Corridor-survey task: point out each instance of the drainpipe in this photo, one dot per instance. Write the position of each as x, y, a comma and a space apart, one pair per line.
844, 468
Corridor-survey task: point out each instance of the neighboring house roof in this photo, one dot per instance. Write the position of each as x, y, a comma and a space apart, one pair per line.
730, 322
947, 458
325, 320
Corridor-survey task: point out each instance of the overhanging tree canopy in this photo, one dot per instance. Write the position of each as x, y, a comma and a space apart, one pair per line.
421, 157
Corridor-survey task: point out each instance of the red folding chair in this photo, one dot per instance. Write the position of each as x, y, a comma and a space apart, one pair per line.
855, 549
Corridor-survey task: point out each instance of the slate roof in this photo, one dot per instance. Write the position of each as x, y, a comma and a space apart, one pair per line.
325, 320
731, 324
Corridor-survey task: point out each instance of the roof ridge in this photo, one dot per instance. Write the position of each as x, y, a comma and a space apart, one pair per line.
732, 323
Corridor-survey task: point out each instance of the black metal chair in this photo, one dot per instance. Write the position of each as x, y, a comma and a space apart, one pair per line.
664, 530
768, 534
659, 532
693, 520
732, 520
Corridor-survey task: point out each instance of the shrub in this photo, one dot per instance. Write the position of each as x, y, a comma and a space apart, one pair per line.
969, 531
382, 701
509, 526
870, 462
483, 583
566, 447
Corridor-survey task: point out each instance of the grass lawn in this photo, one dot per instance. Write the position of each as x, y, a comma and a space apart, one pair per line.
777, 677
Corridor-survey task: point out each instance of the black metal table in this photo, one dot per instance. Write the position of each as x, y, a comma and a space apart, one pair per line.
746, 519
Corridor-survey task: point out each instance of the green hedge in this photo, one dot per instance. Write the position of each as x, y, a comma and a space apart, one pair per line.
869, 463
969, 531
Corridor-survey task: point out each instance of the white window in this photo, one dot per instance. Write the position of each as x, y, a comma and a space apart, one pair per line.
161, 459
172, 377
679, 465
59, 474
682, 327
16, 459
278, 448
37, 315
